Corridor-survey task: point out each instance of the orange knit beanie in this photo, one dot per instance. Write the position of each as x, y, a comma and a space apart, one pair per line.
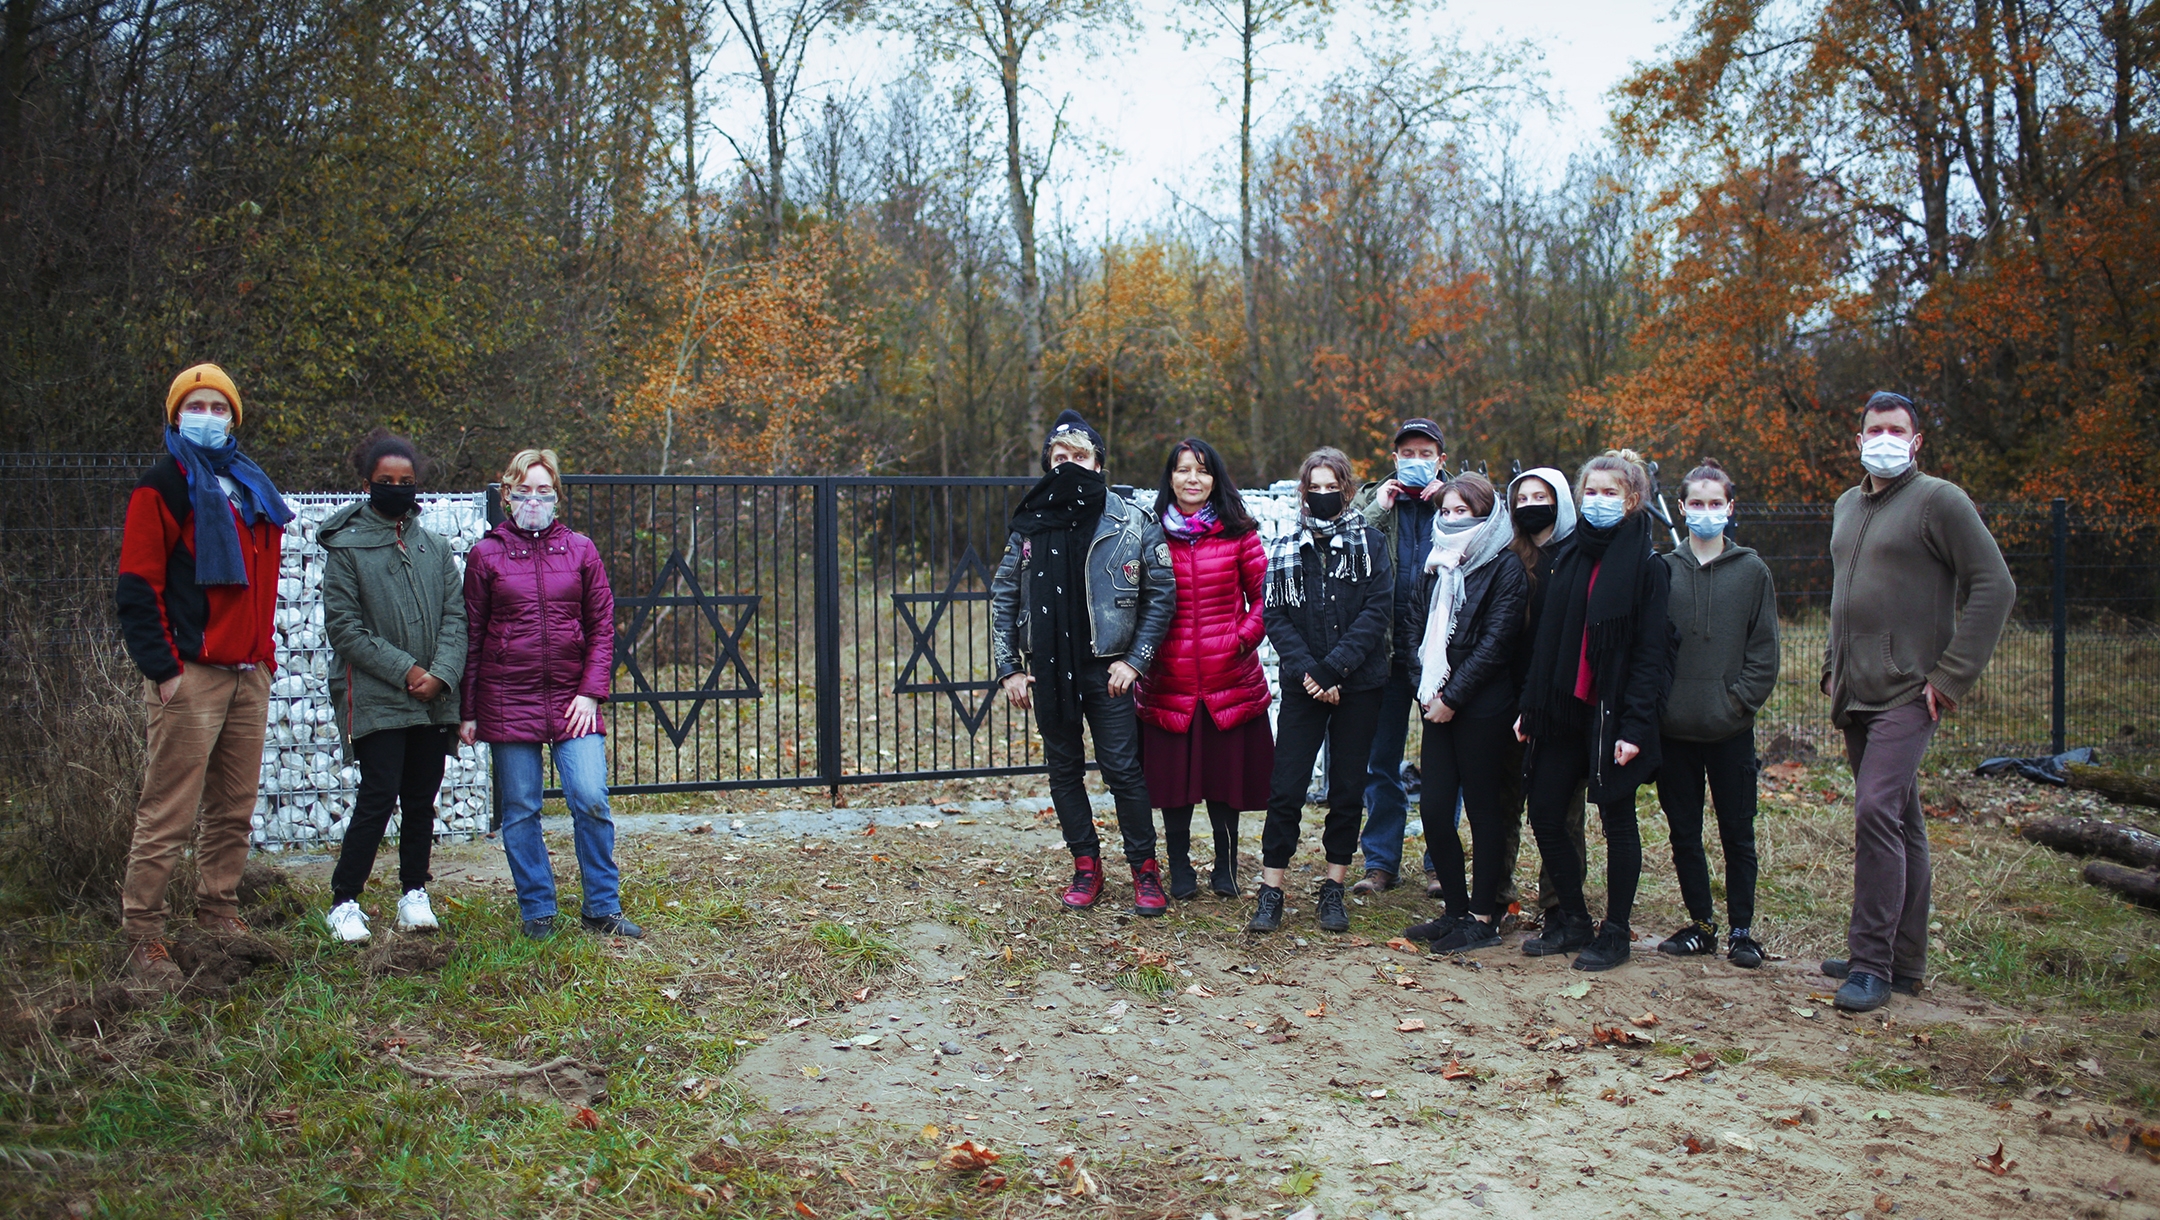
201, 377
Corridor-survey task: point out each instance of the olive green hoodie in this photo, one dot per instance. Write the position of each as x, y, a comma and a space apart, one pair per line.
386, 608
1726, 614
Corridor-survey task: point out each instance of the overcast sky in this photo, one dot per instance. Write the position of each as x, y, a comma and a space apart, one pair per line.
1153, 121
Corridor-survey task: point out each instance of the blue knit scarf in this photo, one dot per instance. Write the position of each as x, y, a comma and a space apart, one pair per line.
217, 540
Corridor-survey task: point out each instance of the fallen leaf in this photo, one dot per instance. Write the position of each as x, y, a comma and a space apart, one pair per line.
1411, 1026
928, 1134
1644, 1021
967, 1155
1456, 1071
286, 1117
1797, 1011
862, 995
1675, 1074
1203, 992
1578, 991
1400, 945
1616, 1097
1785, 772
803, 1209
990, 1182
1695, 1146
1885, 1204
1733, 1139
1877, 1115
1406, 981
1613, 1035
1994, 1162
848, 1178
1317, 1012
585, 1119
2091, 1067
1702, 1061
797, 1022
1923, 1040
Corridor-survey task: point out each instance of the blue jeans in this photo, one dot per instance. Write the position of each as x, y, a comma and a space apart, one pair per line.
581, 763
1387, 802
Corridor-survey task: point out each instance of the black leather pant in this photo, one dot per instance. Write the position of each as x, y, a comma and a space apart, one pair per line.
1117, 752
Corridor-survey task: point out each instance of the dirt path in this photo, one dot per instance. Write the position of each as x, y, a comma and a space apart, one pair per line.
1360, 1080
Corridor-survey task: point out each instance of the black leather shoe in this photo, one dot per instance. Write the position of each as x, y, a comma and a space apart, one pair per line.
1331, 915
1862, 992
612, 925
541, 928
1470, 934
1903, 984
1184, 882
1563, 933
1611, 947
1267, 913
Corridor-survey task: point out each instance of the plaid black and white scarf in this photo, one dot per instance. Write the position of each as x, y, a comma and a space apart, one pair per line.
1343, 538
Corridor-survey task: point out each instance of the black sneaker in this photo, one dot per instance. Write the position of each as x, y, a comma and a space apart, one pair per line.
1611, 947
1563, 933
612, 925
1903, 984
1745, 952
1332, 916
541, 928
1691, 941
1432, 929
1470, 934
1862, 992
1267, 912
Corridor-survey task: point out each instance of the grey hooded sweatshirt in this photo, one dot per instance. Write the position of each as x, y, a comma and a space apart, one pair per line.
1726, 614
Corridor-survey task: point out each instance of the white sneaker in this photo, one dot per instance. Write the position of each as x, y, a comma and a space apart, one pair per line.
347, 921
414, 914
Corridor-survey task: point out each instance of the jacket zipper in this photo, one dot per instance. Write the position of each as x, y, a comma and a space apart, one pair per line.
547, 650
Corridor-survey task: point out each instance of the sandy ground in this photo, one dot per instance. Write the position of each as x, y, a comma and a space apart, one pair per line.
1492, 1085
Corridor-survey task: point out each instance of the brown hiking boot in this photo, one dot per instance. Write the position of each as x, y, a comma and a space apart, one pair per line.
1376, 881
223, 925
149, 963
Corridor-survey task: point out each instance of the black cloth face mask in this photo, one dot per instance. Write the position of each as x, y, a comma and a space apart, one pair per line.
1535, 519
393, 500
1324, 505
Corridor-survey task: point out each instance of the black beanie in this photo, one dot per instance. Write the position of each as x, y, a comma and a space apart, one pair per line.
1068, 423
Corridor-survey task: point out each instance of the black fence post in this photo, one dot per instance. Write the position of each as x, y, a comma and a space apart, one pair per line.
495, 804
2059, 602
825, 581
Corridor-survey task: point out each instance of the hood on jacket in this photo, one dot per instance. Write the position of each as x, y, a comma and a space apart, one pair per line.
1563, 497
357, 525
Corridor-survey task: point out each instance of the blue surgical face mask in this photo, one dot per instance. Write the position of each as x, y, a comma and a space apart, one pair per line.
204, 429
1603, 512
1707, 522
1416, 472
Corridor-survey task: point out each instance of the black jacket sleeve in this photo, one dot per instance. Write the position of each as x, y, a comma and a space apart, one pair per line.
1005, 643
1650, 667
1375, 618
1293, 659
1158, 594
1498, 626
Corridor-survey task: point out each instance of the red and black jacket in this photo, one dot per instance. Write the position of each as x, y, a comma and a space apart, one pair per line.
165, 617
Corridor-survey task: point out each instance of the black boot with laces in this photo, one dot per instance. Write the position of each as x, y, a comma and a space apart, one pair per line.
1332, 916
1611, 947
1267, 912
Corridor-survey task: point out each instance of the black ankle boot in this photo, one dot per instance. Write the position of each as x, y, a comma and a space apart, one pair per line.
1177, 853
1223, 879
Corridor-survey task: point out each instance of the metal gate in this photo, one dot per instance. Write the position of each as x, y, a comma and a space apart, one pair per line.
776, 632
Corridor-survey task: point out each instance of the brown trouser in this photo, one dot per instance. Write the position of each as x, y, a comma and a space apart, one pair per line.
1891, 880
206, 750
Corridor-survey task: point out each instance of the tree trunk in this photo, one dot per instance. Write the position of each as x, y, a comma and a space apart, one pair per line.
2142, 888
1258, 455
2120, 787
2094, 837
1023, 219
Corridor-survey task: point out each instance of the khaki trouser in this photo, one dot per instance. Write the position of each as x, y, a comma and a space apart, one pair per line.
205, 753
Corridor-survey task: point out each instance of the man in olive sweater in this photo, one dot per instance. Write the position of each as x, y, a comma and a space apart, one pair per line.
1919, 597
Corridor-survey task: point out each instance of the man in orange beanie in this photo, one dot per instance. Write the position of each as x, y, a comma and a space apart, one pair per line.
197, 600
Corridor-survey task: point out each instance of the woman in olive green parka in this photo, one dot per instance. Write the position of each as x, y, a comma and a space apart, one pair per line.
394, 611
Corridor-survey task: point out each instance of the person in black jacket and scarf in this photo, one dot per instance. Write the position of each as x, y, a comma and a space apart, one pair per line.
1599, 673
1474, 596
1328, 604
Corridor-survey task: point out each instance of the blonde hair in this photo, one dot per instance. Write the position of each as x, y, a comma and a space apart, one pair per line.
1628, 465
526, 459
1075, 440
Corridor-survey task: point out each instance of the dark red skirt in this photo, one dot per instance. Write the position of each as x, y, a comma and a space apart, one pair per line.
1235, 767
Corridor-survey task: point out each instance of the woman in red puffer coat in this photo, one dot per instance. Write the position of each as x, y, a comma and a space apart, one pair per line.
1203, 704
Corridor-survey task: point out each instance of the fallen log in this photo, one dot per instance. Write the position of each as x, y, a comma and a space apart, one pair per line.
2095, 837
2120, 787
2142, 888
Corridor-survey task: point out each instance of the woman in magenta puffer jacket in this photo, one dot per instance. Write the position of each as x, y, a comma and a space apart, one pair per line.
541, 622
1203, 704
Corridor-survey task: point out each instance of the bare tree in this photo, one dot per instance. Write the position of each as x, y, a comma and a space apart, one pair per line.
997, 35
777, 36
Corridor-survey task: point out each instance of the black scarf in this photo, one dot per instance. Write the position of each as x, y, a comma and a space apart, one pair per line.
1058, 517
1574, 612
